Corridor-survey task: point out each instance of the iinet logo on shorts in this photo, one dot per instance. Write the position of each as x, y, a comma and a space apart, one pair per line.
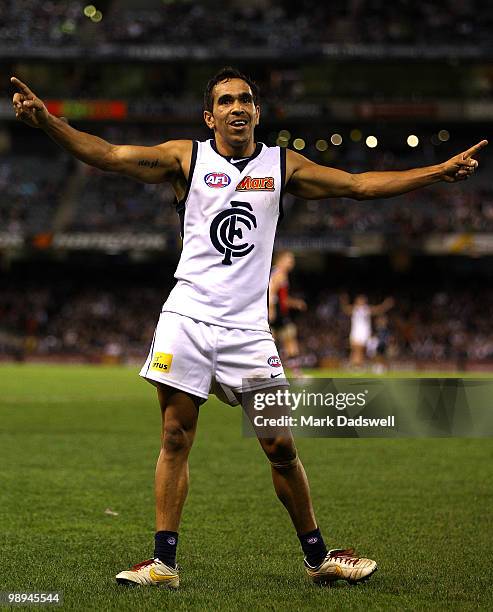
161, 362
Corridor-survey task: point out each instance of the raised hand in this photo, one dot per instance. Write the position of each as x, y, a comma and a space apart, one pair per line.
27, 106
462, 166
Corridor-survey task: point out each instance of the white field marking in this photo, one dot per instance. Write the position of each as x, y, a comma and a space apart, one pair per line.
65, 399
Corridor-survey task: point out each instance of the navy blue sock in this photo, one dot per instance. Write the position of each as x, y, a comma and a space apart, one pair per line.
165, 543
313, 546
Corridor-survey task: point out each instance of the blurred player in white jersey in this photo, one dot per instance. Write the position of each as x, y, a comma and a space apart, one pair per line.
213, 329
361, 313
280, 305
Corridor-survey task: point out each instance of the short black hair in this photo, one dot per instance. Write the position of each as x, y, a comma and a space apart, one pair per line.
226, 73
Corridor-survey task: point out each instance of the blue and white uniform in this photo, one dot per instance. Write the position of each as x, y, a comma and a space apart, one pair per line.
213, 328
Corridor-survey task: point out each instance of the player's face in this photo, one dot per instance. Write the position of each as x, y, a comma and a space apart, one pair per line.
234, 114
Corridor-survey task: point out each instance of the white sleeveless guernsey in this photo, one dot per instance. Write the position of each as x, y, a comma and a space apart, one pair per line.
361, 322
229, 220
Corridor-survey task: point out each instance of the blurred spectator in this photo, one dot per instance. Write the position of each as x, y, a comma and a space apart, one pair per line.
111, 324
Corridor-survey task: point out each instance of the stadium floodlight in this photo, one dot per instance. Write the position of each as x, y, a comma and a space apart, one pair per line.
412, 140
90, 10
443, 135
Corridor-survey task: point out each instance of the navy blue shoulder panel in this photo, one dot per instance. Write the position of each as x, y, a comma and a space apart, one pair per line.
282, 153
180, 206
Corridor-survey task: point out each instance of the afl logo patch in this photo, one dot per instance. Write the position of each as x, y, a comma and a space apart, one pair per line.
274, 361
217, 180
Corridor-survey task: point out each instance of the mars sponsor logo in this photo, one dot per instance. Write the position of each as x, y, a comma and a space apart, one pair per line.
217, 180
161, 362
256, 184
274, 361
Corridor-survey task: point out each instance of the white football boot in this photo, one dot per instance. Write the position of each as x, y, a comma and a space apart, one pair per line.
342, 564
150, 573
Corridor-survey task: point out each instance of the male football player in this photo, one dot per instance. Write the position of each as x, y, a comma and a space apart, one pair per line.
280, 306
361, 313
230, 191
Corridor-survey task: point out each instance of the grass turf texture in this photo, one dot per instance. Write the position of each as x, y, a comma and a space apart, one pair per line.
76, 440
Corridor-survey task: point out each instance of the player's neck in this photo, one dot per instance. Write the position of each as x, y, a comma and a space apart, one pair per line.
228, 150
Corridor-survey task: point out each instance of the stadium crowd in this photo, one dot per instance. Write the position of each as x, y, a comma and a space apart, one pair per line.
88, 323
32, 191
413, 214
29, 192
114, 324
109, 203
448, 325
283, 24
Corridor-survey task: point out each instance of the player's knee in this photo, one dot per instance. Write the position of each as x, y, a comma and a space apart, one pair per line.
176, 439
281, 453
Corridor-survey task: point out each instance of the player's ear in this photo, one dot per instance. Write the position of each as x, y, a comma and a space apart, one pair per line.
209, 119
257, 115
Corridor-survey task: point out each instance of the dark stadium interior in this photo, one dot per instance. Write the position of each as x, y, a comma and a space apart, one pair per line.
30, 23
354, 85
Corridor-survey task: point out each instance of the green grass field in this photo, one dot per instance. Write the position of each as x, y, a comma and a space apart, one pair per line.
77, 440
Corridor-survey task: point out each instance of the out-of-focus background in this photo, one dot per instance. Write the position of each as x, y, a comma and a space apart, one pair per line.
87, 258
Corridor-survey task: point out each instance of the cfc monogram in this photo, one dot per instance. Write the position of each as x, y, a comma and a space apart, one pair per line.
227, 226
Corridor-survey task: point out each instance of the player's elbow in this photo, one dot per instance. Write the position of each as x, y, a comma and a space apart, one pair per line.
109, 160
360, 189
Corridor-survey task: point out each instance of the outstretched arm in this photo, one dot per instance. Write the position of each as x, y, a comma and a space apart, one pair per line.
296, 303
149, 164
275, 282
380, 309
346, 307
309, 180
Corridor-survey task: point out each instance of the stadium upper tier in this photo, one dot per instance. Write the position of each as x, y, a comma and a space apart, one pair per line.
45, 190
110, 203
30, 189
278, 25
434, 210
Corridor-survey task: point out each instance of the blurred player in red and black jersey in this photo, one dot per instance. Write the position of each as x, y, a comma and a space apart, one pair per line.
280, 305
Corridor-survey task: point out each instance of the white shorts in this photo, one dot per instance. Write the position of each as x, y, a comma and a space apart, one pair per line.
360, 336
201, 358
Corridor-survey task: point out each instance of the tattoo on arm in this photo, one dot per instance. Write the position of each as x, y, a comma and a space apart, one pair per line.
149, 163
